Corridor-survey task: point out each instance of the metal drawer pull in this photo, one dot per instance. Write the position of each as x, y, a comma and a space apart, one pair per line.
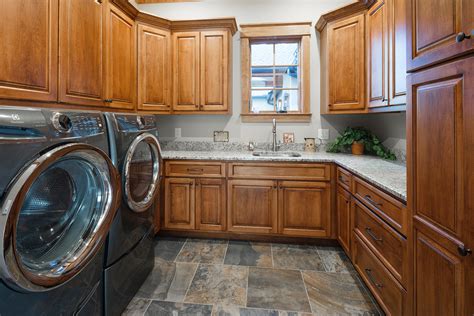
371, 201
195, 170
371, 234
464, 252
372, 280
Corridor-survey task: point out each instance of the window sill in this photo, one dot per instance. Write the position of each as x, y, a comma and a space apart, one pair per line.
280, 117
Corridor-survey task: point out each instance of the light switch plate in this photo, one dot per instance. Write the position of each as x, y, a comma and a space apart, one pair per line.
323, 134
221, 136
177, 132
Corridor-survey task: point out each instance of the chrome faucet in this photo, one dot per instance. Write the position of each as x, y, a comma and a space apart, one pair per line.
275, 146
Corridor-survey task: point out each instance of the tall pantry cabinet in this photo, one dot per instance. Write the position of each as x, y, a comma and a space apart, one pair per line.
440, 147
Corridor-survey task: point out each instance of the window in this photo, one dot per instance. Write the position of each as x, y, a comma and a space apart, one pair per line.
275, 72
275, 83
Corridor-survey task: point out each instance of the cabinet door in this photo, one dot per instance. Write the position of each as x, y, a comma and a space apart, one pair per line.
397, 46
210, 204
179, 203
346, 64
432, 29
29, 49
377, 54
154, 69
81, 56
121, 59
252, 206
440, 119
304, 209
344, 228
186, 71
214, 71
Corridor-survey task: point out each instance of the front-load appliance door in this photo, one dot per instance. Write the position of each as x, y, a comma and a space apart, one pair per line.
140, 179
55, 217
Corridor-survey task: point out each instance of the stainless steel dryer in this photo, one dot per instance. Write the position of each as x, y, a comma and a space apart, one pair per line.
58, 196
136, 153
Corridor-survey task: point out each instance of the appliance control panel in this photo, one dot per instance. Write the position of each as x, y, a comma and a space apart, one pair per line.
135, 123
76, 124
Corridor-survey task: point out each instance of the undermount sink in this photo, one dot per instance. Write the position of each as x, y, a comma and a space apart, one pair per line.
276, 154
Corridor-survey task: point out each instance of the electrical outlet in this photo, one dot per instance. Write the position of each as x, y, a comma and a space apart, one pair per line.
177, 132
323, 134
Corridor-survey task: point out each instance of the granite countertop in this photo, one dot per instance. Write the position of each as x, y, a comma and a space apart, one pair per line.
387, 175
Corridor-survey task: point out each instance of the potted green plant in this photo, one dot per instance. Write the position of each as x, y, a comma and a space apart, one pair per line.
360, 139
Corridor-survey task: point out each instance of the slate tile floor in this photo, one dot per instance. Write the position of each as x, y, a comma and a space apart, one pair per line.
226, 278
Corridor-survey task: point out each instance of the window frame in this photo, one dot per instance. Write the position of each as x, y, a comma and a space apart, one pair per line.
274, 33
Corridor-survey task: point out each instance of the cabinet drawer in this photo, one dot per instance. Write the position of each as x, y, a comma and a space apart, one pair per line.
280, 171
390, 209
344, 178
388, 292
388, 245
195, 169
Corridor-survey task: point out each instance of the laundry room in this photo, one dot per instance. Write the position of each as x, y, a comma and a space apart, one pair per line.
223, 157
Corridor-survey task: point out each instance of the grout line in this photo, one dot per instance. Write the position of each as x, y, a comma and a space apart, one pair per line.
271, 251
191, 282
225, 253
247, 287
147, 307
306, 290
181, 249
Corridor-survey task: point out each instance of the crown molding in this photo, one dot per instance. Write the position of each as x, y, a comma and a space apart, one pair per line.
348, 10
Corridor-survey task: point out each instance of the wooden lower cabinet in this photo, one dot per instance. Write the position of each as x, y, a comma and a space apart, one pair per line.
252, 206
180, 203
304, 209
344, 228
210, 204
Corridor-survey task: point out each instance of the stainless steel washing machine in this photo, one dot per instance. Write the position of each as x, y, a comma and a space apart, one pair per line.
136, 153
59, 193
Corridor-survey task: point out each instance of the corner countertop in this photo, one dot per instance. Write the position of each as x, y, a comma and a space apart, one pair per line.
387, 175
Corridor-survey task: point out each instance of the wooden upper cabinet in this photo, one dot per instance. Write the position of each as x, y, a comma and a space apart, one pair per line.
120, 48
346, 64
377, 54
432, 30
186, 74
304, 209
154, 69
214, 71
397, 46
29, 49
81, 57
440, 185
252, 206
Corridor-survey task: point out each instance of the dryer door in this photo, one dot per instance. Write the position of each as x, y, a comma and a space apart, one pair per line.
142, 172
56, 215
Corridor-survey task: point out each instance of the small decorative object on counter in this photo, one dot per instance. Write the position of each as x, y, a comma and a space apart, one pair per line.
310, 144
251, 145
288, 138
360, 139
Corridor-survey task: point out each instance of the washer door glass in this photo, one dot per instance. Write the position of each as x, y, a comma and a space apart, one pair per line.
142, 167
64, 216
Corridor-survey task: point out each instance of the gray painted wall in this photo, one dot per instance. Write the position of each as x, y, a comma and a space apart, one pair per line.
389, 127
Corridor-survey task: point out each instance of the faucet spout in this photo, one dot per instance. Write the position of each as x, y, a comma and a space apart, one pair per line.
274, 131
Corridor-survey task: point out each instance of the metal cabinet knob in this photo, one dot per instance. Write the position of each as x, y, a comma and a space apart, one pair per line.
464, 252
108, 100
461, 37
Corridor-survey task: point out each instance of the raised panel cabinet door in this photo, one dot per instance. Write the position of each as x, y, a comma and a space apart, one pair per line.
397, 46
377, 54
344, 228
121, 59
304, 208
180, 203
214, 70
210, 204
252, 206
347, 64
81, 55
432, 30
440, 120
154, 69
186, 76
29, 49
